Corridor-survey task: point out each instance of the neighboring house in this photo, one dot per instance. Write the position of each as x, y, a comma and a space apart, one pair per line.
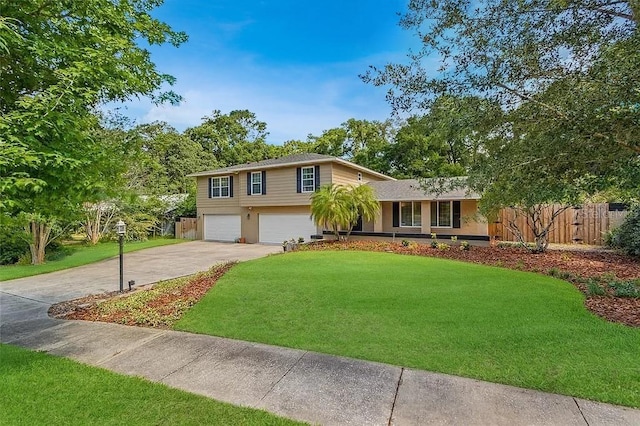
269, 202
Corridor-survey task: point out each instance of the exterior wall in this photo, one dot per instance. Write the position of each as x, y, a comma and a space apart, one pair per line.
387, 221
343, 175
281, 188
202, 195
470, 222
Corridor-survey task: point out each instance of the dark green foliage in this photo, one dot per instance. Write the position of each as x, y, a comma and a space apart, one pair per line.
627, 236
187, 208
57, 251
625, 288
594, 288
12, 245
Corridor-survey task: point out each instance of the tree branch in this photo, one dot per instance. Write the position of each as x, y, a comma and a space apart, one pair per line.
526, 97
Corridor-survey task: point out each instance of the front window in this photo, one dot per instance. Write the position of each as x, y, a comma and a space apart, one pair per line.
220, 187
441, 214
256, 183
411, 214
308, 179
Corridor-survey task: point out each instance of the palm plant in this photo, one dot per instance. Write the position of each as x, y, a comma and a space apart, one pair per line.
337, 207
363, 204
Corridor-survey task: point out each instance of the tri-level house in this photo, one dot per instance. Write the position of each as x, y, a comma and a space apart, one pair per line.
269, 202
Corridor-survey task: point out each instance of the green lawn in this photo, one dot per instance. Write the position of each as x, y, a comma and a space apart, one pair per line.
82, 255
40, 389
494, 324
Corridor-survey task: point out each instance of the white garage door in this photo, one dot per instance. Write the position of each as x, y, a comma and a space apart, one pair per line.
221, 227
276, 228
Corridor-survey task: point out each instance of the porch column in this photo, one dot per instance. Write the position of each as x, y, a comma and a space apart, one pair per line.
377, 221
425, 213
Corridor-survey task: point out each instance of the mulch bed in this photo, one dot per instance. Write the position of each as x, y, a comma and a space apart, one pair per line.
160, 311
574, 266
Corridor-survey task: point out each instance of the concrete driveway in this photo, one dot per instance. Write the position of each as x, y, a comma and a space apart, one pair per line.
24, 302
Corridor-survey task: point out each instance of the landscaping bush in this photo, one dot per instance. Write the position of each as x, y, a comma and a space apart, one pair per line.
57, 251
594, 288
627, 236
625, 289
12, 246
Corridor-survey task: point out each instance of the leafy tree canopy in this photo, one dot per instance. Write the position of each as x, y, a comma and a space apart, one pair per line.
564, 72
61, 60
234, 138
165, 158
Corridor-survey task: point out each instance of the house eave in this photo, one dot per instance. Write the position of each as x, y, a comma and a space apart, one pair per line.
236, 170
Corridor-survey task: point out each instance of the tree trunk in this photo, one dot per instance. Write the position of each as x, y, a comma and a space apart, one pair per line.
535, 222
40, 233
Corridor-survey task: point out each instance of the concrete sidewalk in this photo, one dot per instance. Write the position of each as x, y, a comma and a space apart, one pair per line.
298, 384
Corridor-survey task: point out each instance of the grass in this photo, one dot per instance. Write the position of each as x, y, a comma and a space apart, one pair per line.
504, 326
40, 389
81, 255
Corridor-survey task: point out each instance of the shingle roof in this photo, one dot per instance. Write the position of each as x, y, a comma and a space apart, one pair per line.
289, 160
410, 190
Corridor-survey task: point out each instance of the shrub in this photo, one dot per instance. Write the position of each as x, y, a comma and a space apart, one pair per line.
57, 251
627, 236
554, 272
464, 245
12, 247
625, 289
406, 243
443, 246
434, 240
594, 289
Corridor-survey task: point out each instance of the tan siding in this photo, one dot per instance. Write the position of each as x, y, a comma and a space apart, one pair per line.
281, 188
343, 175
203, 200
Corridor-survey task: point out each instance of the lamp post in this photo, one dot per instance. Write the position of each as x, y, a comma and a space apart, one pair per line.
121, 229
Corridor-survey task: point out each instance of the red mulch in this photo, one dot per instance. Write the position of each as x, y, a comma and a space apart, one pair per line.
165, 309
577, 265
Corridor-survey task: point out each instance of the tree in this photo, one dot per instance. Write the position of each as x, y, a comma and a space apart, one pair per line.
338, 207
66, 59
165, 158
360, 141
514, 51
563, 72
443, 142
234, 138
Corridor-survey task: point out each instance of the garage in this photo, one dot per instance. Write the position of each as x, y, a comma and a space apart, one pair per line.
276, 228
221, 227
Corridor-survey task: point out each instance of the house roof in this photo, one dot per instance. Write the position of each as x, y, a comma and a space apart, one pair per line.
410, 190
289, 160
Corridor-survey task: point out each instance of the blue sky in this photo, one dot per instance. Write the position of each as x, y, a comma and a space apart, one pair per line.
295, 64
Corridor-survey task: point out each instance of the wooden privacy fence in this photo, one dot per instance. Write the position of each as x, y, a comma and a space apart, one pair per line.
586, 224
186, 228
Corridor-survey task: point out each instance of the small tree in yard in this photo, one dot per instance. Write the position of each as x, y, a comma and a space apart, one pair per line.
97, 220
627, 236
337, 207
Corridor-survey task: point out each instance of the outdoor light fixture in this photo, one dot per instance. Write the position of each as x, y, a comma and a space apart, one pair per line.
121, 229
